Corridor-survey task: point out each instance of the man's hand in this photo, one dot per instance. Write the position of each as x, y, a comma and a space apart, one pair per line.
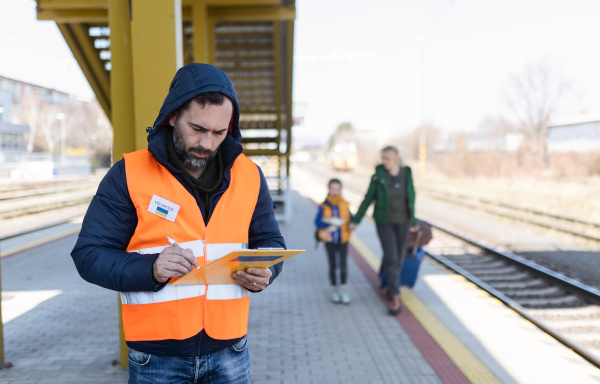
173, 262
414, 228
253, 279
351, 226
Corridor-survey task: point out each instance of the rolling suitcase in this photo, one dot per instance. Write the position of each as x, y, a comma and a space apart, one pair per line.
414, 256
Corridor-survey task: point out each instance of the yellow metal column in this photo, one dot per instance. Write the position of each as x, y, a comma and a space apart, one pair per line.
121, 79
289, 62
146, 52
155, 36
211, 41
200, 23
277, 52
121, 95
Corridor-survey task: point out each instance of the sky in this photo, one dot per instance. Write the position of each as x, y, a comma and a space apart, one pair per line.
386, 66
35, 51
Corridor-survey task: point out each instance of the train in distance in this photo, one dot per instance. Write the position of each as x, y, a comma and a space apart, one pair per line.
344, 156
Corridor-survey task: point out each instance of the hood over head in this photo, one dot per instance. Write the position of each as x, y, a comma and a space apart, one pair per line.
190, 81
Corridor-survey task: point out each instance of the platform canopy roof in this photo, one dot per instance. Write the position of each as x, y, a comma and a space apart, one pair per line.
251, 40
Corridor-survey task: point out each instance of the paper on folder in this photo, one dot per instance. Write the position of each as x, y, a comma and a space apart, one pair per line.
334, 221
219, 271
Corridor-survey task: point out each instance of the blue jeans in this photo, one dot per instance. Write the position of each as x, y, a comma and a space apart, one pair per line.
229, 365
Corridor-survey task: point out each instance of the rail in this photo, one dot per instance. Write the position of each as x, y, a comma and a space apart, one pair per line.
567, 283
467, 201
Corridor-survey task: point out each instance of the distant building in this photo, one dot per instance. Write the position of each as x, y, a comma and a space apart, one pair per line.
20, 156
12, 136
12, 141
506, 142
576, 137
5, 106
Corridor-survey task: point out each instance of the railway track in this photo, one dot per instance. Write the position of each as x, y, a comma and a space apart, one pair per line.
581, 229
562, 307
583, 232
12, 194
26, 208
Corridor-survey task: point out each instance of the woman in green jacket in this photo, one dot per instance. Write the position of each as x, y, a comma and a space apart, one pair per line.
392, 189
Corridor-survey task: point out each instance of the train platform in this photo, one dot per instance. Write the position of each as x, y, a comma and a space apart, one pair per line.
61, 329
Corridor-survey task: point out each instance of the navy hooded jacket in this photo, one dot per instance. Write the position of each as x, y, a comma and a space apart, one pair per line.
111, 218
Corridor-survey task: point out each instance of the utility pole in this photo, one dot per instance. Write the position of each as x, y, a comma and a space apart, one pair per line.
63, 138
423, 134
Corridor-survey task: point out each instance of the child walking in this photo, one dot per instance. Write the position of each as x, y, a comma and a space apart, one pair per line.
332, 222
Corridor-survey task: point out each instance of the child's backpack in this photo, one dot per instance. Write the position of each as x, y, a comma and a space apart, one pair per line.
317, 238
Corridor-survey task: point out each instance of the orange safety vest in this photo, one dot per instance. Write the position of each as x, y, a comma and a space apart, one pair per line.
182, 311
344, 212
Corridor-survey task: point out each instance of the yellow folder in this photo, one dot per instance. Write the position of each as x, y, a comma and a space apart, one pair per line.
219, 271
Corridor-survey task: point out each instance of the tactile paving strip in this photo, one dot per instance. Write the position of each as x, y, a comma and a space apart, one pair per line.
448, 356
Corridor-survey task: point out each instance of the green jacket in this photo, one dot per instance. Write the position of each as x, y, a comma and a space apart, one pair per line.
378, 191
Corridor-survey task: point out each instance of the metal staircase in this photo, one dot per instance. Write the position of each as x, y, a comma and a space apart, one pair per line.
250, 40
251, 55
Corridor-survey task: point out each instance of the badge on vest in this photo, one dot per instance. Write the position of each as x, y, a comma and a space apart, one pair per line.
163, 208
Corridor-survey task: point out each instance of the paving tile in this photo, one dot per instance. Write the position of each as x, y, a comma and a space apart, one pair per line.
51, 342
296, 335
325, 341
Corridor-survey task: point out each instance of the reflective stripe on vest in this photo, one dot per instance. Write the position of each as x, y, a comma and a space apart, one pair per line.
180, 312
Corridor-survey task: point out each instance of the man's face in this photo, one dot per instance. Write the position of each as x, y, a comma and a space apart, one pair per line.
198, 132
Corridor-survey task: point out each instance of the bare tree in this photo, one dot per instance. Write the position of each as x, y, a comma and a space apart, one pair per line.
99, 141
40, 116
409, 143
88, 130
495, 125
344, 132
29, 115
535, 96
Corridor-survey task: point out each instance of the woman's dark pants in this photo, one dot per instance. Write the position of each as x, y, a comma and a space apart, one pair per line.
394, 239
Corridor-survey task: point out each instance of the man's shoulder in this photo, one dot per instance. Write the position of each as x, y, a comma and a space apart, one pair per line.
117, 171
115, 179
141, 154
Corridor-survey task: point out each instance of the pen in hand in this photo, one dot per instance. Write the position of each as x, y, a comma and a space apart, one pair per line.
174, 243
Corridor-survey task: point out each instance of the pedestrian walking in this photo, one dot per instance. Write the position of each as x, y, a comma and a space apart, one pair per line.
332, 221
392, 189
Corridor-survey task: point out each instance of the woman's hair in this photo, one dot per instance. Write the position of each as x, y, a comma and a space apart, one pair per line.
390, 149
333, 181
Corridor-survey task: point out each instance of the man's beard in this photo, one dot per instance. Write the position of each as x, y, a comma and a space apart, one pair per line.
186, 158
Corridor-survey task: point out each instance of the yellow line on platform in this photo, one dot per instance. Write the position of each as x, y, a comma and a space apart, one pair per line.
465, 360
365, 252
41, 241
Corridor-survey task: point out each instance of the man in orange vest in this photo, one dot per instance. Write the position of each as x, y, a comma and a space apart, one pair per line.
192, 184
